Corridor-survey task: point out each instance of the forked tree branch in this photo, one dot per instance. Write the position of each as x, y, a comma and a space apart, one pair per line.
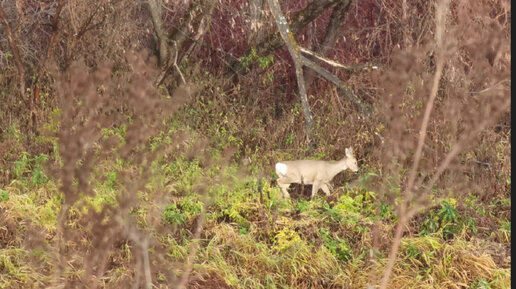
300, 61
337, 18
199, 15
274, 40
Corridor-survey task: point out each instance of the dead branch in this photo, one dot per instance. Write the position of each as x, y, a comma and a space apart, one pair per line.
359, 104
177, 66
85, 27
336, 64
194, 246
199, 20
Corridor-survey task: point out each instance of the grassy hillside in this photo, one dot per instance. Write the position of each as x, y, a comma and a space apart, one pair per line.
199, 204
138, 141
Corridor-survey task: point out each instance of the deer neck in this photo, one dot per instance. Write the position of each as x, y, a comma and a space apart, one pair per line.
337, 167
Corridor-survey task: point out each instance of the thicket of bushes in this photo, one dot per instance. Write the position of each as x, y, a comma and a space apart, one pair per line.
119, 169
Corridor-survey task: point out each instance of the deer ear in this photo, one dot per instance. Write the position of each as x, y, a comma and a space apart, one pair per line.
349, 151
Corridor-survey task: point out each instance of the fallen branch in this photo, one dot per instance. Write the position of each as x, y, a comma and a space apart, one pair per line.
359, 104
336, 64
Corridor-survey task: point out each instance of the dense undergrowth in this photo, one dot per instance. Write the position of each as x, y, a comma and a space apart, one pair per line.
129, 170
252, 238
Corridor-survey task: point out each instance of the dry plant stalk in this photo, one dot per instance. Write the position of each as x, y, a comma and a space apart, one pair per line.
418, 187
90, 103
441, 11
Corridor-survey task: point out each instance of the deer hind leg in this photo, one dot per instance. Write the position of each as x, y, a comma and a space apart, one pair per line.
284, 186
325, 189
284, 190
315, 188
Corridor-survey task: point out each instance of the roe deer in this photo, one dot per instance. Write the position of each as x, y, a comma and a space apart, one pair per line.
313, 172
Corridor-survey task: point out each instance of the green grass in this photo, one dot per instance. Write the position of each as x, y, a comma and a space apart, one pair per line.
251, 240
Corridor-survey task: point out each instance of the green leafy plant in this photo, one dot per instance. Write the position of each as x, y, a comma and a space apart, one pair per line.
290, 139
430, 224
447, 214
412, 251
302, 206
286, 239
254, 58
173, 215
4, 196
448, 220
505, 230
183, 210
30, 170
338, 247
480, 284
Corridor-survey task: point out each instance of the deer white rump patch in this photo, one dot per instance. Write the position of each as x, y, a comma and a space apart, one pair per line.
281, 168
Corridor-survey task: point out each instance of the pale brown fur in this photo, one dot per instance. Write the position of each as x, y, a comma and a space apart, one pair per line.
313, 172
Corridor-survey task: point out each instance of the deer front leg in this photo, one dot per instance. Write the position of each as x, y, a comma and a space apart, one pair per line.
315, 188
325, 189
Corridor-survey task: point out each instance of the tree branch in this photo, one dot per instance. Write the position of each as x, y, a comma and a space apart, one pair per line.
202, 10
337, 17
336, 64
48, 53
274, 40
359, 104
288, 37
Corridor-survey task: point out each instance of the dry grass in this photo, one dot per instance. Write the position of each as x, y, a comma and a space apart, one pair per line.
132, 185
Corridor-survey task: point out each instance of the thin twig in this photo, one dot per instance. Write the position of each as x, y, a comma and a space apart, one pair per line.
441, 12
146, 264
175, 63
194, 246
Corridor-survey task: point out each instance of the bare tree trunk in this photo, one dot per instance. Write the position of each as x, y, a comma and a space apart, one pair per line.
274, 40
288, 37
255, 11
337, 18
161, 34
199, 15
